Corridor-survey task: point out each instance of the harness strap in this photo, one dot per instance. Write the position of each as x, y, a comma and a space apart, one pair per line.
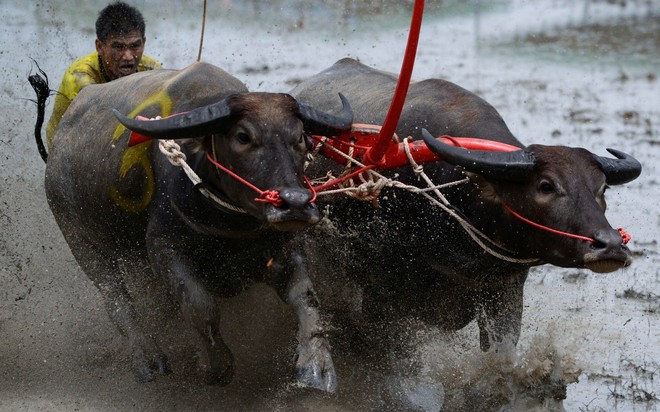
174, 154
625, 237
265, 196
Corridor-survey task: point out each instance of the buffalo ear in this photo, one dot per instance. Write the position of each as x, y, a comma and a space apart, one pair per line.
487, 190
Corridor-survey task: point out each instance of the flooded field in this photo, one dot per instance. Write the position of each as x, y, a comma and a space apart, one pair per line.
559, 72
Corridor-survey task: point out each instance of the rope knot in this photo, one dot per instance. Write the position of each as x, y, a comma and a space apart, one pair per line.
625, 236
270, 196
172, 150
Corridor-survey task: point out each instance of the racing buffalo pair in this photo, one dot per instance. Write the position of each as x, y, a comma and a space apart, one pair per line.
123, 208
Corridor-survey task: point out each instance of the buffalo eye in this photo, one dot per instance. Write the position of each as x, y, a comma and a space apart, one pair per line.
243, 138
546, 188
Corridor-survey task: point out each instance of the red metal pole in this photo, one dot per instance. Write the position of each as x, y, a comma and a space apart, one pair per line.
375, 155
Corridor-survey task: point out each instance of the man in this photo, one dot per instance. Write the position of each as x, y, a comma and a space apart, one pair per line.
119, 46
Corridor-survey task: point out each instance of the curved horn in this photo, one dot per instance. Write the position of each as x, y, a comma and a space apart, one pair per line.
195, 123
623, 169
325, 124
511, 166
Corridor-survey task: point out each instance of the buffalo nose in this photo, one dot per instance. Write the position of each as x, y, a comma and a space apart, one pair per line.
605, 239
295, 198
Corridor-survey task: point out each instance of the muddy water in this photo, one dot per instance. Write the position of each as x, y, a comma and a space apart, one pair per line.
597, 335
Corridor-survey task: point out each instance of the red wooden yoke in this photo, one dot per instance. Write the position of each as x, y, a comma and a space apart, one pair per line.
363, 139
379, 146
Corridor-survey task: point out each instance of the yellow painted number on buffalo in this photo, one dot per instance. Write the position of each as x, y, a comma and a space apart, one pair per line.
136, 156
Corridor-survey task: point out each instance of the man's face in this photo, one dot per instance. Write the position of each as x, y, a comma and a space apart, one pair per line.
121, 54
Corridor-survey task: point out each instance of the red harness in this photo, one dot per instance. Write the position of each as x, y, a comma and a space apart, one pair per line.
265, 196
624, 235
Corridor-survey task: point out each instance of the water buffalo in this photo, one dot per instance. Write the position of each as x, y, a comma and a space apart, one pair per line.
413, 260
124, 208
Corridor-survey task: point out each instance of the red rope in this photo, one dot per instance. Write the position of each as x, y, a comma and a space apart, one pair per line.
265, 196
537, 225
312, 189
270, 196
625, 237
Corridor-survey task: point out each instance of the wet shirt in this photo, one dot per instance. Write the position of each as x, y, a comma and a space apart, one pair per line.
84, 71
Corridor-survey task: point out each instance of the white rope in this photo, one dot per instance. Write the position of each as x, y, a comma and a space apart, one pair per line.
173, 152
370, 189
474, 233
311, 156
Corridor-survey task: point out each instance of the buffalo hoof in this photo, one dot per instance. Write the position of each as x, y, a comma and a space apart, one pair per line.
145, 369
314, 367
414, 394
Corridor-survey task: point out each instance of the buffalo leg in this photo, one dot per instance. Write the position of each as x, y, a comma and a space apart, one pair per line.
314, 366
107, 276
198, 306
501, 310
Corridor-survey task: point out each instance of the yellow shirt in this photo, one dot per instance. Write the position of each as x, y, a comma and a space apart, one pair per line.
84, 71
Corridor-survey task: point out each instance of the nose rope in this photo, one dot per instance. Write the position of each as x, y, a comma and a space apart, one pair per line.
270, 196
625, 237
265, 196
311, 188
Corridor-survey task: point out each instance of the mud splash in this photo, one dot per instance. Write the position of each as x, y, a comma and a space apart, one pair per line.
531, 377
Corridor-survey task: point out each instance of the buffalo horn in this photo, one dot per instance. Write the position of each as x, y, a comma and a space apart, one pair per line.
512, 166
623, 169
324, 124
195, 123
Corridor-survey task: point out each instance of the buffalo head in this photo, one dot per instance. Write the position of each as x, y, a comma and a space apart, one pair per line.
557, 187
261, 137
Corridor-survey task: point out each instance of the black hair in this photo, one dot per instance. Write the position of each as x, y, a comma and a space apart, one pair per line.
118, 18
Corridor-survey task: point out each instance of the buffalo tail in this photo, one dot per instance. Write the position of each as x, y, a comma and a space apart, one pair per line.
39, 83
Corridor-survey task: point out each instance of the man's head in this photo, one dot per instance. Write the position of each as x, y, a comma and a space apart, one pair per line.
120, 39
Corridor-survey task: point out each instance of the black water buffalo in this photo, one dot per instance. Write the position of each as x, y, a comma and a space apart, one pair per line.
412, 260
124, 208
